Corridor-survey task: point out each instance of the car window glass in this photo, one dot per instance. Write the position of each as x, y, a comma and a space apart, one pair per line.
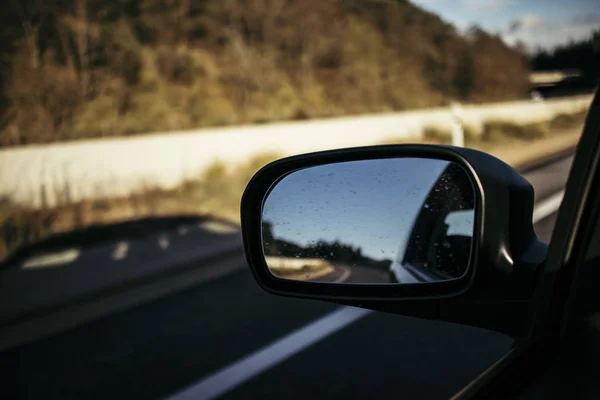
129, 130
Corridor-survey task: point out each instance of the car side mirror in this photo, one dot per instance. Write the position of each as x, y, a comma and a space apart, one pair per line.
449, 229
371, 222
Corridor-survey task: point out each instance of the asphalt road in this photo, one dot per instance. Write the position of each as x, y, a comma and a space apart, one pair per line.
354, 274
54, 277
159, 349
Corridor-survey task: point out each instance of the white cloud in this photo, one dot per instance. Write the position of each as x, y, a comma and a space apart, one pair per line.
530, 21
486, 4
524, 23
523, 29
547, 35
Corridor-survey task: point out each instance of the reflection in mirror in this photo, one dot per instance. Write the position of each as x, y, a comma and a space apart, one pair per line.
395, 220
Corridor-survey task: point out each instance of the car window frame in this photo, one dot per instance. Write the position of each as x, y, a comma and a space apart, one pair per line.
553, 302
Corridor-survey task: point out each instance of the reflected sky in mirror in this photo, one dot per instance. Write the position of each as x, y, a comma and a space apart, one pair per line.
369, 204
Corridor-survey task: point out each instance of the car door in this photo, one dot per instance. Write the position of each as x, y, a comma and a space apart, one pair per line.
562, 358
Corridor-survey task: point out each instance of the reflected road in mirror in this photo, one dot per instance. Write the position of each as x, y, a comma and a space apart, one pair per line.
395, 220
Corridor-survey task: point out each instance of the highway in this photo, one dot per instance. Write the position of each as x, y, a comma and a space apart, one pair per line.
354, 274
216, 337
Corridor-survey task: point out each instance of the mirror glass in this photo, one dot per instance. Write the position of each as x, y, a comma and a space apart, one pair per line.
394, 220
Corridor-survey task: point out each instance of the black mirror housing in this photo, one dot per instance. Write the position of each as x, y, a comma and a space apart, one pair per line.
505, 258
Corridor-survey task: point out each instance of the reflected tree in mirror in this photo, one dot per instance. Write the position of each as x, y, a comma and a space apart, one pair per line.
400, 220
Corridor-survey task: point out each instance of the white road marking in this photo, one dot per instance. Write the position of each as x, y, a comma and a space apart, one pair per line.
51, 259
239, 372
255, 363
120, 251
182, 231
345, 275
548, 206
163, 241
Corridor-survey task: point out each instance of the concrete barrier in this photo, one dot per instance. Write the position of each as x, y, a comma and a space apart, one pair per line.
114, 167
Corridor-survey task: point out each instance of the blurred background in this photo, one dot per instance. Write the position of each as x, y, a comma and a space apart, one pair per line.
129, 129
96, 70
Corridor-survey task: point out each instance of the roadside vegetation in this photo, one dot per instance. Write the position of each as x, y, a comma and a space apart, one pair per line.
89, 68
298, 268
500, 131
496, 131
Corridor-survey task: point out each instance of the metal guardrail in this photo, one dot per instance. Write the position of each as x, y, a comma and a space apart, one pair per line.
117, 167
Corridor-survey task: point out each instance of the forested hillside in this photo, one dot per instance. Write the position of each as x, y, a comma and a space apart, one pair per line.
96, 68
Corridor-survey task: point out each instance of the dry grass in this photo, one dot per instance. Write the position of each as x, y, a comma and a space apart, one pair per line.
500, 131
402, 140
497, 131
20, 226
437, 134
568, 121
497, 135
471, 133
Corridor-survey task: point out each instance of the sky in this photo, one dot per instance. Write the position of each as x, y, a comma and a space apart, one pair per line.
537, 23
369, 203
